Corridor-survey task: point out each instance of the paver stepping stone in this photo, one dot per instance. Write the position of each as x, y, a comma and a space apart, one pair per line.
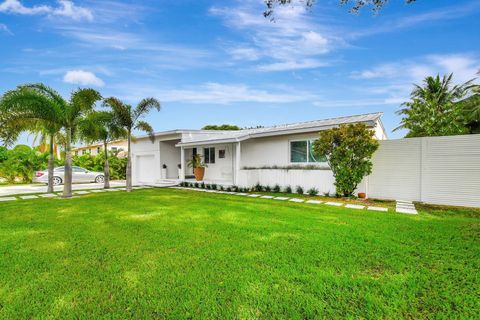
355, 206
28, 197
266, 197
407, 211
82, 192
405, 207
112, 190
337, 204
8, 199
48, 195
314, 201
377, 209
97, 191
281, 198
254, 195
241, 194
296, 200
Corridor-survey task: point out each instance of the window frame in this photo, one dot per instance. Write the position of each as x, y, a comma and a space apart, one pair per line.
309, 141
211, 152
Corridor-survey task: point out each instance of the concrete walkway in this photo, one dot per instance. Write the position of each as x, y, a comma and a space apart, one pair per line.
290, 199
41, 188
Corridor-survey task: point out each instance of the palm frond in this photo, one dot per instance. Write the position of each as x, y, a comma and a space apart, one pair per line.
145, 106
122, 112
146, 127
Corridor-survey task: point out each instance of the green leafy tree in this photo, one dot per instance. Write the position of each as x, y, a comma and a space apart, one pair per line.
348, 149
221, 127
102, 126
432, 110
20, 163
38, 102
130, 119
356, 5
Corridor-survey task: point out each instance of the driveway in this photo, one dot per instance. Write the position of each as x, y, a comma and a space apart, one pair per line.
40, 188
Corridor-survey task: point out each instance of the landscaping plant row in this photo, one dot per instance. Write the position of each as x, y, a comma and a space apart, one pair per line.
256, 188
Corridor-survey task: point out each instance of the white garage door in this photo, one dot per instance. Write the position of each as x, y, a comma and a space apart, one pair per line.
145, 168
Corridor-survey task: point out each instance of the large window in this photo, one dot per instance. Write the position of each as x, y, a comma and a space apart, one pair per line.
209, 155
302, 152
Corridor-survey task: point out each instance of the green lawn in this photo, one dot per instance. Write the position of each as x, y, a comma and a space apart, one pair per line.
163, 253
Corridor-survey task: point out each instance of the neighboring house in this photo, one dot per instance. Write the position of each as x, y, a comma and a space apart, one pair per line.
94, 149
271, 155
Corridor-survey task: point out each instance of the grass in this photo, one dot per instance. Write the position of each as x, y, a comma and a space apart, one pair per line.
163, 253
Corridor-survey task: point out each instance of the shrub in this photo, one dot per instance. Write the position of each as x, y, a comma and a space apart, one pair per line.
299, 189
276, 188
221, 188
214, 186
207, 186
312, 191
268, 189
258, 187
228, 189
348, 150
234, 188
288, 189
202, 185
196, 185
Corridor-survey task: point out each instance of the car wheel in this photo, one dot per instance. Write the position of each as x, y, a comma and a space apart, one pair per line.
57, 181
99, 179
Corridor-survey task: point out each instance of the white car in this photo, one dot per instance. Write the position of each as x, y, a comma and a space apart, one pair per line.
79, 175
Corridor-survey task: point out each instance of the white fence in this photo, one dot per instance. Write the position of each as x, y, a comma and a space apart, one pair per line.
436, 170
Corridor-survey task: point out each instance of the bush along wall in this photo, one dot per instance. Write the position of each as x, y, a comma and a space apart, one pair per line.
95, 163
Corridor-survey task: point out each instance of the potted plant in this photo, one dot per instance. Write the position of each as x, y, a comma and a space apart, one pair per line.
164, 171
198, 167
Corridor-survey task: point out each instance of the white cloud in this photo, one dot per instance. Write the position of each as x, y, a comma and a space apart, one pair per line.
292, 65
394, 81
219, 93
293, 41
65, 8
463, 67
84, 78
4, 28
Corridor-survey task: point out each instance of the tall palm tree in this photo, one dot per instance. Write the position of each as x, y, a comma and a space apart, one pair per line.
23, 110
431, 110
131, 119
38, 102
102, 126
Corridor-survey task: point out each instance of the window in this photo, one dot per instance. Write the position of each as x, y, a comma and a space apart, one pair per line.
78, 169
209, 155
302, 152
221, 154
113, 149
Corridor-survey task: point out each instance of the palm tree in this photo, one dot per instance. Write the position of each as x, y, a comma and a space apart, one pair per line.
38, 102
101, 126
22, 110
432, 110
130, 119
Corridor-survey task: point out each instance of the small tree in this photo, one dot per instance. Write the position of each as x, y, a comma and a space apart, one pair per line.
348, 150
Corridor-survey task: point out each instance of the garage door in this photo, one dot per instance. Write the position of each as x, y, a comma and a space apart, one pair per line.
145, 168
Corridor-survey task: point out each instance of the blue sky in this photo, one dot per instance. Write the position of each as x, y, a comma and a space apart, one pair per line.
213, 62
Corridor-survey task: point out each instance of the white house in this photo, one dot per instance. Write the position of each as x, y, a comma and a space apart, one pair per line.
278, 154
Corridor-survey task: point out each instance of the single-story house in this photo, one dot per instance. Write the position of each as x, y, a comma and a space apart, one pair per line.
96, 148
279, 154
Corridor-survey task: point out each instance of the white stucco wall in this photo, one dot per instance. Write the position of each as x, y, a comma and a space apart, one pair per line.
170, 155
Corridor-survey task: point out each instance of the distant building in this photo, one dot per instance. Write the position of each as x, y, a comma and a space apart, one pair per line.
120, 146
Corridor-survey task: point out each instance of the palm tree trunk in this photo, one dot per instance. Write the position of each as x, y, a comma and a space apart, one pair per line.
129, 163
106, 168
67, 179
51, 166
